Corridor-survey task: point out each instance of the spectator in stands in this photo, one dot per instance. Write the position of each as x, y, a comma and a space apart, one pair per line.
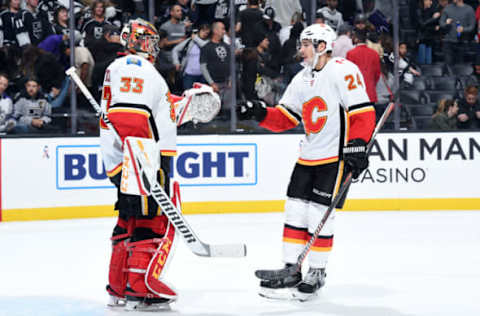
247, 19
428, 18
60, 18
361, 23
48, 7
290, 58
284, 10
7, 122
35, 23
176, 29
269, 28
164, 64
469, 110
92, 29
284, 33
445, 118
32, 110
205, 10
458, 19
12, 33
407, 68
108, 46
222, 11
319, 18
84, 64
266, 75
104, 53
187, 11
332, 16
343, 43
44, 67
186, 57
215, 65
477, 19
367, 61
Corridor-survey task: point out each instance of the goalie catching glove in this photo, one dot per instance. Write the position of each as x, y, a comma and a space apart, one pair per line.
355, 157
246, 110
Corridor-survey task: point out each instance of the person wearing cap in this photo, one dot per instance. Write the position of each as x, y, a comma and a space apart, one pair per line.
104, 52
108, 47
343, 43
361, 23
332, 16
284, 10
270, 29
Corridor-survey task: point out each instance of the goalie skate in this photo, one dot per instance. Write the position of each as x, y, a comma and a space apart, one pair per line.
148, 305
115, 301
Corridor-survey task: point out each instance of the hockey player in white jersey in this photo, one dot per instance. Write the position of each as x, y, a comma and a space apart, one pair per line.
328, 96
138, 103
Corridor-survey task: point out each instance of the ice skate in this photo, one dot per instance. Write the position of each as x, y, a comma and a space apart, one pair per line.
147, 304
114, 299
280, 289
307, 289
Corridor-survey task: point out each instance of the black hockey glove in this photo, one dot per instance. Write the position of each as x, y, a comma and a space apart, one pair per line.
246, 110
355, 157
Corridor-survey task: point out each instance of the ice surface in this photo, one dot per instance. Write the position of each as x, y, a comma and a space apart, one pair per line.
383, 264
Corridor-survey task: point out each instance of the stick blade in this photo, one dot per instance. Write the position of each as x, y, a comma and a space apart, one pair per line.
277, 274
229, 250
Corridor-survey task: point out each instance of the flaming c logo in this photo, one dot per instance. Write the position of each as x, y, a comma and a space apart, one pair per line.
314, 115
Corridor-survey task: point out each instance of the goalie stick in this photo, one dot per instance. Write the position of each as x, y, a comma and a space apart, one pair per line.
291, 270
163, 200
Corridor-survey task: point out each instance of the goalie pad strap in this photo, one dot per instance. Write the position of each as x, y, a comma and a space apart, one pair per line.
117, 274
147, 264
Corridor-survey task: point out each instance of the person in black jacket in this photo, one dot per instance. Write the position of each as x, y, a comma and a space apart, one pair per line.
428, 25
289, 57
35, 23
269, 28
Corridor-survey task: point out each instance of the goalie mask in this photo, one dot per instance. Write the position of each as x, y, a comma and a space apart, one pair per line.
317, 33
140, 37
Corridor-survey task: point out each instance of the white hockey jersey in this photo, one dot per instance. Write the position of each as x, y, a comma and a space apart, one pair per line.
138, 103
324, 100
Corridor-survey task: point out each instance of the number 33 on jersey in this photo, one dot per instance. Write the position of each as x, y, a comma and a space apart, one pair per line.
138, 103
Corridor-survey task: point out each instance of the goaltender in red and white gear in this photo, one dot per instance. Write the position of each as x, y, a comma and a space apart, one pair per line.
139, 105
328, 96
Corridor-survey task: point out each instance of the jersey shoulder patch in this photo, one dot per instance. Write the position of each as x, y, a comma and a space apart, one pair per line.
132, 60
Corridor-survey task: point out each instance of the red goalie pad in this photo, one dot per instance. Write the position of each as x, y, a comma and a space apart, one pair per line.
117, 275
147, 264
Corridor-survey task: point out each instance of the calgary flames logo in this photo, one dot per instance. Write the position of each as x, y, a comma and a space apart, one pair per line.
314, 115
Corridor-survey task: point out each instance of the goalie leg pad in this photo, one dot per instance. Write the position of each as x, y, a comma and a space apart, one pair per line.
117, 275
150, 254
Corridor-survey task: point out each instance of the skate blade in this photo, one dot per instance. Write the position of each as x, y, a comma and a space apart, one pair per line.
115, 302
303, 297
142, 307
276, 294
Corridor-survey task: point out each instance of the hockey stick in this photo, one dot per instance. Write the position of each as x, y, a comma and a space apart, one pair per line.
293, 269
163, 200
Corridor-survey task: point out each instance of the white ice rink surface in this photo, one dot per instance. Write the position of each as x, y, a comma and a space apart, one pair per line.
383, 264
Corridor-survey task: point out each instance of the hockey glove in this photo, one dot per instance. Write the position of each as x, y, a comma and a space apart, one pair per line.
246, 110
355, 157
